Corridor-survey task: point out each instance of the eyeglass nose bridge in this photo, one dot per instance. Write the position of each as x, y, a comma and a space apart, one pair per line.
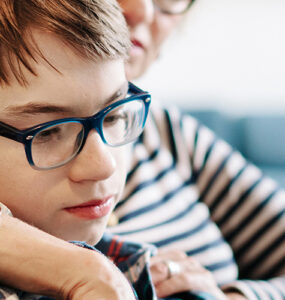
93, 123
167, 12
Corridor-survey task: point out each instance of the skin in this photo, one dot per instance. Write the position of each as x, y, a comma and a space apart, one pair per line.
149, 29
82, 88
192, 277
56, 268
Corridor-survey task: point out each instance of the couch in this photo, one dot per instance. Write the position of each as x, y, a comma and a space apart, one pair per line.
260, 138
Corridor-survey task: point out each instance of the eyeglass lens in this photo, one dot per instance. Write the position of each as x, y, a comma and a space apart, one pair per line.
172, 6
57, 144
124, 123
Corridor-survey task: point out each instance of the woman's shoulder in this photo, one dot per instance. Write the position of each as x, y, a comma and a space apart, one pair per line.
166, 121
171, 113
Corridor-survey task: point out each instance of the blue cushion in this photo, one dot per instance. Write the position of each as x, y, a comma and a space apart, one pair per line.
261, 139
264, 139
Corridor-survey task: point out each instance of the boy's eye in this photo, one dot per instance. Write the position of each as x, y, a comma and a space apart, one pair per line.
48, 134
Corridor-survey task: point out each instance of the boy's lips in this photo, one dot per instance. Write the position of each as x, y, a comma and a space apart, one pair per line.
93, 209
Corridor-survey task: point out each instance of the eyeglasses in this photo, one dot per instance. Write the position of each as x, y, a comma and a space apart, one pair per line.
53, 144
173, 7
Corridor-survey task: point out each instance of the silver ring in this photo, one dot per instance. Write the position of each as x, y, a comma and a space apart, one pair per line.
173, 268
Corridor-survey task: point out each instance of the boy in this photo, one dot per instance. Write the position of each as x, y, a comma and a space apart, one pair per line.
63, 103
177, 163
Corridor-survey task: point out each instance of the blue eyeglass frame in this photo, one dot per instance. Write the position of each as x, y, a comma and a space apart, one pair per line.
89, 123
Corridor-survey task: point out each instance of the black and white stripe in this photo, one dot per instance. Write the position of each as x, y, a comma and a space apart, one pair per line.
189, 190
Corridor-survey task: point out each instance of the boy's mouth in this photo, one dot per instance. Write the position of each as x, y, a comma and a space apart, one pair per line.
93, 209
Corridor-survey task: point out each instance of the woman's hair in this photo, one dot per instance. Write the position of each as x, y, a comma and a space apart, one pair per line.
93, 28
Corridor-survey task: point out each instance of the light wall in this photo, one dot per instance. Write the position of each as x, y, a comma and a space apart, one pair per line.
229, 55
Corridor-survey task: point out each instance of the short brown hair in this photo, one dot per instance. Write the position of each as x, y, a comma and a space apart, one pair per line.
96, 28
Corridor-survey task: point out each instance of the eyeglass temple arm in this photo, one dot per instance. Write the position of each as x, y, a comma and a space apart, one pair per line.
11, 133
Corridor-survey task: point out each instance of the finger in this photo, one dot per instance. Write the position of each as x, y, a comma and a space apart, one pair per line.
174, 255
173, 285
191, 264
159, 272
164, 269
198, 280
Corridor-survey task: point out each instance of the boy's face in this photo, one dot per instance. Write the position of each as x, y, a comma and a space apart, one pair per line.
50, 199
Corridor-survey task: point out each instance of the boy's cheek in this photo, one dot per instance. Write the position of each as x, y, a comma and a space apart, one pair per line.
11, 170
123, 165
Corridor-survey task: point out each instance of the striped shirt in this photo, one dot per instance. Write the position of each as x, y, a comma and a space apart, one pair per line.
189, 190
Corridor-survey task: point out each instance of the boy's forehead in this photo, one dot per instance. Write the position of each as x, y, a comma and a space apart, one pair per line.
54, 52
21, 108
64, 79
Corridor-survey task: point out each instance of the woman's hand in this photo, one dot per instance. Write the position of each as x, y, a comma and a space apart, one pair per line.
39, 263
189, 276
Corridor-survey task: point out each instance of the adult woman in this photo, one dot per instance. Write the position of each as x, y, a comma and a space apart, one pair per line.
176, 163
182, 177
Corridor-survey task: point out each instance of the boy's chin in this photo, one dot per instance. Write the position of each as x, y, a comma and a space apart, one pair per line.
94, 239
91, 238
89, 232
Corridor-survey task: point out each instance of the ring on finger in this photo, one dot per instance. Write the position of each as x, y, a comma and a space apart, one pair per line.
173, 268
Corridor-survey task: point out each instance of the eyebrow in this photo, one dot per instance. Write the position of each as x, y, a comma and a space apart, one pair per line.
43, 108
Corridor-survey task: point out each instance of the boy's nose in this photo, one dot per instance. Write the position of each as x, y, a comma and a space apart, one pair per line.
137, 11
95, 162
